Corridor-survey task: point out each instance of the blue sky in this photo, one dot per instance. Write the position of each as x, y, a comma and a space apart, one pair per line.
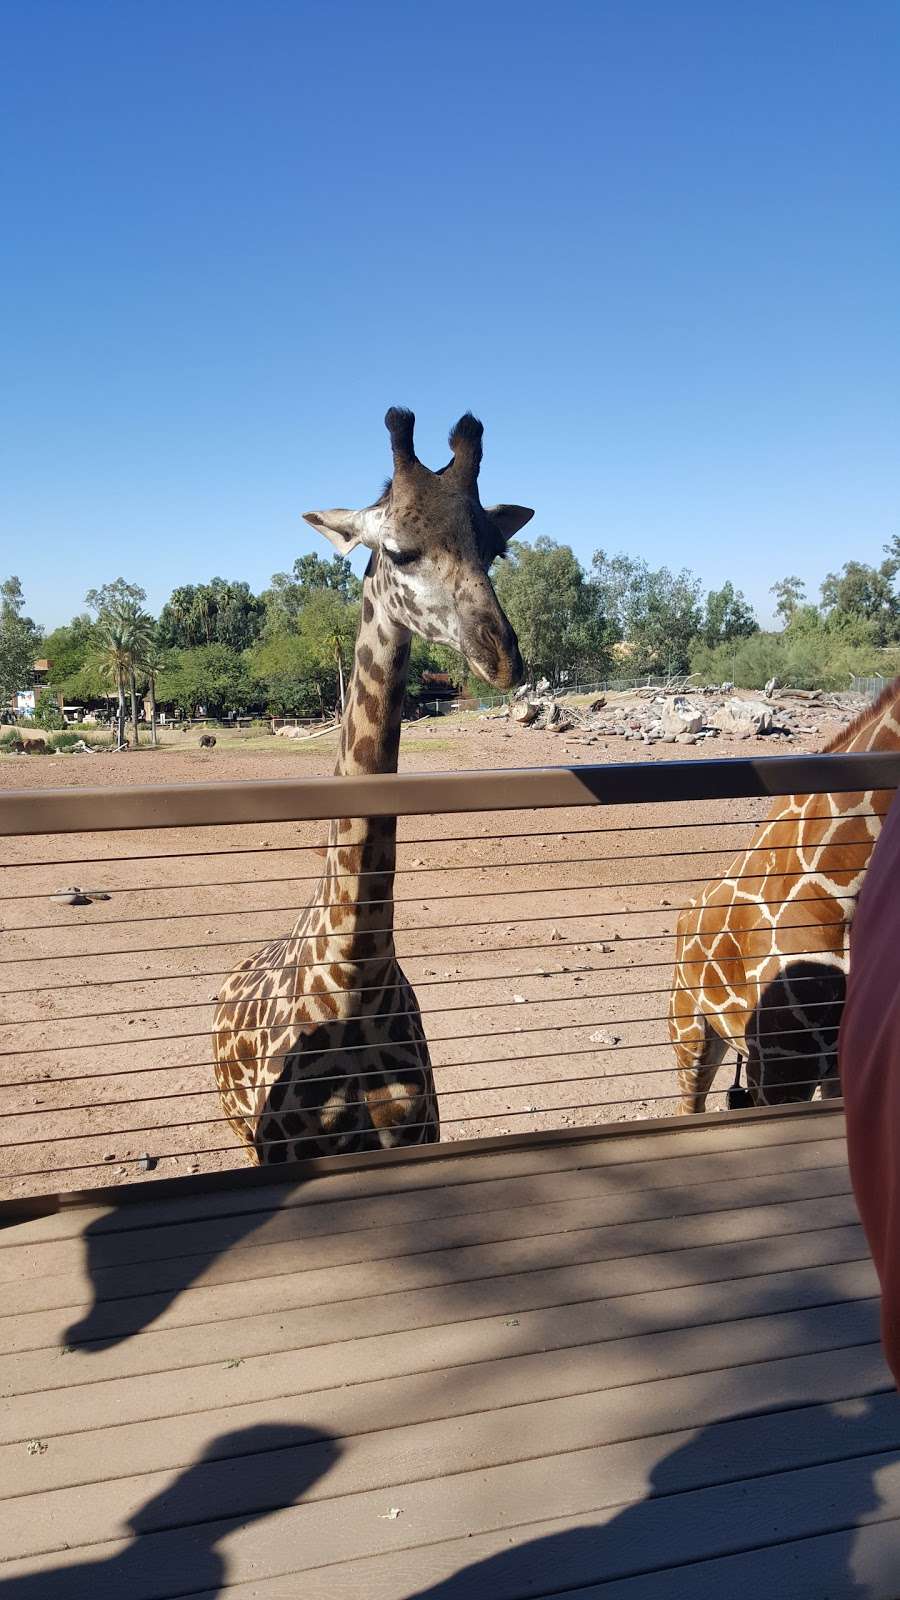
653, 244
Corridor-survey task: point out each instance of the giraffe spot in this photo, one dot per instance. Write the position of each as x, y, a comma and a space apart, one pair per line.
368, 610
364, 657
275, 1096
366, 702
364, 752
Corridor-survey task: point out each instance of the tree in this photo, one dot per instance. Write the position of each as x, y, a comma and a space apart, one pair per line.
290, 592
67, 649
112, 654
222, 611
117, 593
19, 641
656, 612
141, 638
866, 592
789, 594
726, 615
153, 661
211, 676
544, 592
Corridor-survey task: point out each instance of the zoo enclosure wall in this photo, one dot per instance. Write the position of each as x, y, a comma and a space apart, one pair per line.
534, 914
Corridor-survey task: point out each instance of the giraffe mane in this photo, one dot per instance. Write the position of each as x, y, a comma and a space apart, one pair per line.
891, 691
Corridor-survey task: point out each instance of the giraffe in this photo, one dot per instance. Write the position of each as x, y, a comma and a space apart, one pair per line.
318, 1041
761, 954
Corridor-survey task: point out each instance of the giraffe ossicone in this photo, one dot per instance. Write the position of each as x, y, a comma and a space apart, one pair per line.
762, 953
317, 1038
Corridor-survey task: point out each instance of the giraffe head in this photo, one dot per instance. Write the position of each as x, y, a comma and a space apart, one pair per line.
432, 543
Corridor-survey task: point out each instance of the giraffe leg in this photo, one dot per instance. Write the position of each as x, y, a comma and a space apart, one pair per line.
699, 1050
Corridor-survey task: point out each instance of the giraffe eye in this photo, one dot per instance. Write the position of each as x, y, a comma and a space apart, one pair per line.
402, 558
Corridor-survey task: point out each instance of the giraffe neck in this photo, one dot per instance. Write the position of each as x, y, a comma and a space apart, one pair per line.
877, 729
356, 889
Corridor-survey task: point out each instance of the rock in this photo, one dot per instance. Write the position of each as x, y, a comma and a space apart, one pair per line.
603, 1036
146, 1163
744, 718
526, 712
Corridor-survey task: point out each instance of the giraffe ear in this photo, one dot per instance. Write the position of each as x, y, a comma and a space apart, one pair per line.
509, 519
345, 529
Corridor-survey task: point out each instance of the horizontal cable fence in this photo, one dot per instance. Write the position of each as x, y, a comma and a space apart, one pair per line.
534, 914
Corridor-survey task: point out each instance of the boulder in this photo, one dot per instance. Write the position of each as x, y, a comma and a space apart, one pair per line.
747, 717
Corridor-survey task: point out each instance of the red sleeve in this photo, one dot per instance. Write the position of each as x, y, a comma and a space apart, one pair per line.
870, 1072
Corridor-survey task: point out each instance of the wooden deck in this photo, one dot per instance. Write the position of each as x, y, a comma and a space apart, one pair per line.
635, 1366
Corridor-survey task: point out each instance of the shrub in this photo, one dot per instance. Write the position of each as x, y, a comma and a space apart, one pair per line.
47, 713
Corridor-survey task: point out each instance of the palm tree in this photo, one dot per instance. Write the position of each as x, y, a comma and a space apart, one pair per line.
153, 659
140, 633
124, 632
112, 658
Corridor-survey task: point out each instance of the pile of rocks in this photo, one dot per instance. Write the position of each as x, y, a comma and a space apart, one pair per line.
690, 715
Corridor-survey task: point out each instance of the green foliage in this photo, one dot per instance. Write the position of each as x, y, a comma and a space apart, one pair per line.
19, 641
789, 594
801, 658
299, 668
726, 615
545, 593
46, 712
212, 676
68, 649
656, 613
291, 592
219, 612
10, 739
860, 590
113, 596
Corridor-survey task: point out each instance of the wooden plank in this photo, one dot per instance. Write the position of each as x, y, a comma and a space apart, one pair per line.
109, 1243
361, 1304
855, 1564
62, 811
429, 1332
379, 1447
533, 1237
502, 1377
591, 1477
445, 1172
583, 1532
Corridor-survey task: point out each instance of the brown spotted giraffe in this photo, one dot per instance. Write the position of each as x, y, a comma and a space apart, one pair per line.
318, 1040
761, 953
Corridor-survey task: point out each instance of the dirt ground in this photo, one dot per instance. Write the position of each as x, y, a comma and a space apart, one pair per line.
539, 943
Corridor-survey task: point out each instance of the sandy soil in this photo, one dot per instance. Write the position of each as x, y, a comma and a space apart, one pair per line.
539, 943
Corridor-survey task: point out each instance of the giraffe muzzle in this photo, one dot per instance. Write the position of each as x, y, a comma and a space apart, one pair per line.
494, 654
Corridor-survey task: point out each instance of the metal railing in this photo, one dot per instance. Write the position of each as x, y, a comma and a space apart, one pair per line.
534, 913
